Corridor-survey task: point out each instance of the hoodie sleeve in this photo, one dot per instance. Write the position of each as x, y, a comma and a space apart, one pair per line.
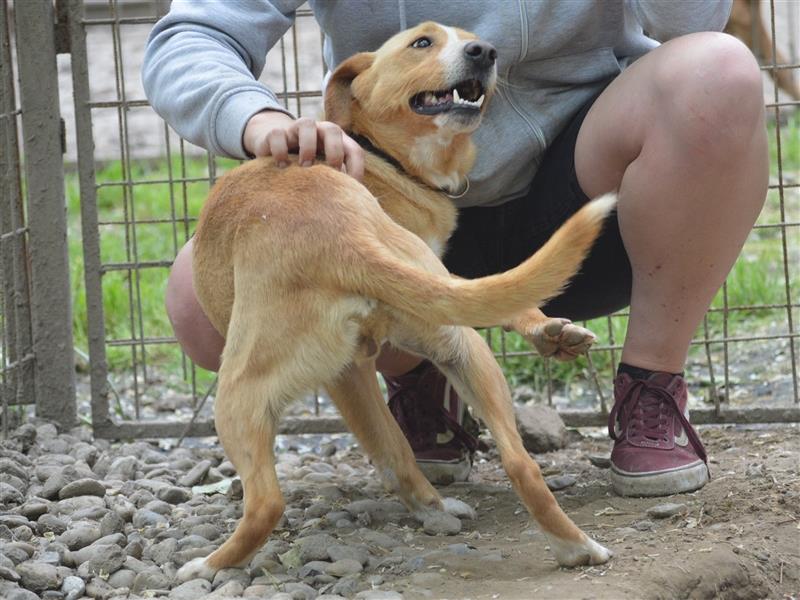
667, 19
201, 66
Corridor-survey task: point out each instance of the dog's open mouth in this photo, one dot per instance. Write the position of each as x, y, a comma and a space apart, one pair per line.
467, 95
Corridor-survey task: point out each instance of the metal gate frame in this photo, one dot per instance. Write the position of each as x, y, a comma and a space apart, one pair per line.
38, 363
106, 426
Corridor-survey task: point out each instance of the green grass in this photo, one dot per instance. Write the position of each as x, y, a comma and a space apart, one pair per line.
756, 279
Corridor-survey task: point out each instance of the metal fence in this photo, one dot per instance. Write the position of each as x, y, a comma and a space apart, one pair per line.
36, 318
134, 189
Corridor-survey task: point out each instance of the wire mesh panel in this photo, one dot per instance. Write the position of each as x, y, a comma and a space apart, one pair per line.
16, 348
138, 189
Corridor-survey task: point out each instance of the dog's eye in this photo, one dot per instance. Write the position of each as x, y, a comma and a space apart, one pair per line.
422, 42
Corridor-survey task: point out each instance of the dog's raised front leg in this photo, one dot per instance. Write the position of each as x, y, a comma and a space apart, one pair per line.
557, 338
360, 402
464, 357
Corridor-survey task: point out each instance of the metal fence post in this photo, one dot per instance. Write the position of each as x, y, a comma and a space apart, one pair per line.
47, 213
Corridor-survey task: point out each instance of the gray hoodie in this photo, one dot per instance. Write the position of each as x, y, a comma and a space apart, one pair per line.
203, 58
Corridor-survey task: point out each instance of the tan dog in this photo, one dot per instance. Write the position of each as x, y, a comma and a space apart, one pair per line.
308, 273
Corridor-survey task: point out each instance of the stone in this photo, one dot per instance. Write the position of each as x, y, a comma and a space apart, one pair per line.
191, 590
162, 551
541, 428
225, 576
12, 591
458, 508
644, 525
147, 518
378, 539
259, 591
103, 560
82, 487
560, 482
441, 523
10, 496
666, 510
346, 586
338, 552
54, 484
196, 474
111, 522
100, 589
174, 495
378, 595
151, 579
377, 511
73, 587
123, 468
314, 547
300, 591
122, 579
80, 536
601, 461
9, 574
70, 506
38, 576
313, 568
231, 589
33, 509
344, 567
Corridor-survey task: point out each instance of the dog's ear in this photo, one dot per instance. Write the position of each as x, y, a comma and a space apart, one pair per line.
338, 95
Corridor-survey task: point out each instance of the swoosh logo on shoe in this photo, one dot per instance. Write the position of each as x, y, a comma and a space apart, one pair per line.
443, 438
683, 439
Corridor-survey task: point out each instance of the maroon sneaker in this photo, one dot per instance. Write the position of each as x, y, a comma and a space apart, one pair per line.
435, 421
656, 450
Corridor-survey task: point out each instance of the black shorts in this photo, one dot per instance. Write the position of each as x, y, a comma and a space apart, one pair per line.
494, 239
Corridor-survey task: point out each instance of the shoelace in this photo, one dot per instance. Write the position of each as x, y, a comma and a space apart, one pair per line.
653, 402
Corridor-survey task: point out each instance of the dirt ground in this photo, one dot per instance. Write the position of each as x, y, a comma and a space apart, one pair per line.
739, 537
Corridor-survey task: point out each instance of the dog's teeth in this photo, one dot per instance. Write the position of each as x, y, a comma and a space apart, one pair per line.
456, 97
479, 102
430, 99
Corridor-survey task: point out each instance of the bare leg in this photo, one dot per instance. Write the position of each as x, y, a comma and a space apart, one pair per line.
681, 134
195, 333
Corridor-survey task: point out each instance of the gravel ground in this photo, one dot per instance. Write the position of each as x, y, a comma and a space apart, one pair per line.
82, 517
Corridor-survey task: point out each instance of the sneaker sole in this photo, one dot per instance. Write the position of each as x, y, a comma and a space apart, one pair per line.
665, 483
445, 472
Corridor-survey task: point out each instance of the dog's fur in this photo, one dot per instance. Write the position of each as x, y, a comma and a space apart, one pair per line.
746, 24
308, 273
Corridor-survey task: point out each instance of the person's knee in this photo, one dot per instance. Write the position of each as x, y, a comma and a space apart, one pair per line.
709, 90
194, 332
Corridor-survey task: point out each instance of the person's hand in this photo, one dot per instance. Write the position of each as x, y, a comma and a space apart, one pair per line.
273, 133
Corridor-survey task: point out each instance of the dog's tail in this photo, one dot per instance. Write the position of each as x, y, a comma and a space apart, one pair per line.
494, 299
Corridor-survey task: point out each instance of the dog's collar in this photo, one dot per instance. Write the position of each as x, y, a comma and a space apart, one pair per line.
368, 146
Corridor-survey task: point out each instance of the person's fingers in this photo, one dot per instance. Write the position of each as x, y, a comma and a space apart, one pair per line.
354, 157
261, 146
306, 140
330, 135
278, 146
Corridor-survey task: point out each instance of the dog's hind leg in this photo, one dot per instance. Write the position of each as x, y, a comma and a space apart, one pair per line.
258, 378
463, 356
360, 402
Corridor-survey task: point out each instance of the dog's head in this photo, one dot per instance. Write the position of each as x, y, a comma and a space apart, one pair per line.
418, 98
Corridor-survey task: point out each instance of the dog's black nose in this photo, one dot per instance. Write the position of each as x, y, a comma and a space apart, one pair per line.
482, 53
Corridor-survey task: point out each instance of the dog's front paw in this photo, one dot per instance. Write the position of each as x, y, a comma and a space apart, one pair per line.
197, 568
560, 339
574, 554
